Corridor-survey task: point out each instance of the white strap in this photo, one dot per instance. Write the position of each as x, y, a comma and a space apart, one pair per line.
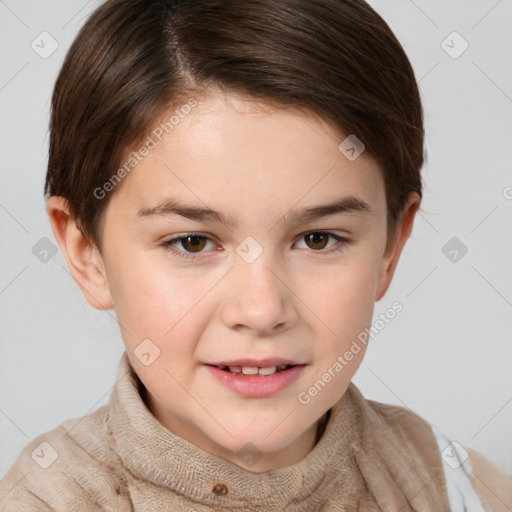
462, 496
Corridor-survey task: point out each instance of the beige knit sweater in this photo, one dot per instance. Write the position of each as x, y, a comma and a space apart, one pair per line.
370, 457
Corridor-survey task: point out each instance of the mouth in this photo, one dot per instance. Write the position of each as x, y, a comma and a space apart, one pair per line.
260, 380
254, 370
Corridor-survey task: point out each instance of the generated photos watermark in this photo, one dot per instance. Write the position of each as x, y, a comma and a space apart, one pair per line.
149, 144
305, 397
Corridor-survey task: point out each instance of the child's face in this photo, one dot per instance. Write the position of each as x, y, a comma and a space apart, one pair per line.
257, 288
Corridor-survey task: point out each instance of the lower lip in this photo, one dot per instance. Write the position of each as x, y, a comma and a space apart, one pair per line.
256, 386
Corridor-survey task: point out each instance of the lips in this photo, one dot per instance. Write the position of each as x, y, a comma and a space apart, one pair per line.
255, 381
259, 363
255, 370
268, 366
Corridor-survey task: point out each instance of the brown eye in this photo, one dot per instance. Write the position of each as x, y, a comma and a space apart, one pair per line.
316, 241
194, 243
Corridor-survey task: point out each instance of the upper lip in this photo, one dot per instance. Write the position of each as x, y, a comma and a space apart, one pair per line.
261, 363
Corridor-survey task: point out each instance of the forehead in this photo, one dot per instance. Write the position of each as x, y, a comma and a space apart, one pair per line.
236, 154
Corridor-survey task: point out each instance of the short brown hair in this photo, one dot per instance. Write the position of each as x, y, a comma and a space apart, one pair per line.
133, 59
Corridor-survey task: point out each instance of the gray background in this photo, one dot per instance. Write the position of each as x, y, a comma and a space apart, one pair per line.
447, 355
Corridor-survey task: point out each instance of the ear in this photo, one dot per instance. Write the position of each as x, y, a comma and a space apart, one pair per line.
396, 244
82, 256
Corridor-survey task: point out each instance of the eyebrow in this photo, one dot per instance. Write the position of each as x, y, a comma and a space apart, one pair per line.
349, 204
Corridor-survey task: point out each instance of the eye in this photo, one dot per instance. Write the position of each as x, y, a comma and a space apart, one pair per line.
320, 240
191, 243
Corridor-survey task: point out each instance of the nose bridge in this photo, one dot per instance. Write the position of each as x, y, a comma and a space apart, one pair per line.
260, 278
258, 299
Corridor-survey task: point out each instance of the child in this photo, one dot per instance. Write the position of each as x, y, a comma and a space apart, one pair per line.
237, 179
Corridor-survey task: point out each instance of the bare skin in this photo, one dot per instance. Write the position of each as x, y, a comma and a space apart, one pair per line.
305, 298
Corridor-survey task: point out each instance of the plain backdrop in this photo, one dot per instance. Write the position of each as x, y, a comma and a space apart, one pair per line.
447, 355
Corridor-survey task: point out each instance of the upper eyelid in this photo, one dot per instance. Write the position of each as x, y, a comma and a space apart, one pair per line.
177, 239
186, 235
209, 237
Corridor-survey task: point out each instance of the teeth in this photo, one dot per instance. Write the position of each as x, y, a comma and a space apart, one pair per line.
267, 371
248, 370
254, 370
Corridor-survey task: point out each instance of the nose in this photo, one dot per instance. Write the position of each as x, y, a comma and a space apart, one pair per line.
258, 300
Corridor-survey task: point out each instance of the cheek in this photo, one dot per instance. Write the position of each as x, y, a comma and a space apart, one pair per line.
163, 304
158, 306
344, 297
344, 303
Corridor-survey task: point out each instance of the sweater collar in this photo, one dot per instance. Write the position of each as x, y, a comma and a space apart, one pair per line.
153, 453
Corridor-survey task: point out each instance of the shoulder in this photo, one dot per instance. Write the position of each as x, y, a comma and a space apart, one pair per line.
472, 481
493, 485
411, 436
407, 424
64, 468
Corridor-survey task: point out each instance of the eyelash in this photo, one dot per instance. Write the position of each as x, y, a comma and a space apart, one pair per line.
168, 244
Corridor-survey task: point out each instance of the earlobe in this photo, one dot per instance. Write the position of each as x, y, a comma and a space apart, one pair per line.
82, 257
395, 246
